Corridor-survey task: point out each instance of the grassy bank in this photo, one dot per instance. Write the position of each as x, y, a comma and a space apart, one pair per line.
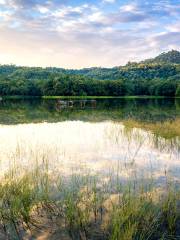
104, 97
19, 97
85, 97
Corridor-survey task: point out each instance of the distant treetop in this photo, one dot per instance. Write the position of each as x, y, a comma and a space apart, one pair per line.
172, 56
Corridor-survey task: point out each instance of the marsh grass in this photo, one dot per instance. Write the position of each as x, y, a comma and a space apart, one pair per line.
167, 129
37, 203
87, 207
18, 196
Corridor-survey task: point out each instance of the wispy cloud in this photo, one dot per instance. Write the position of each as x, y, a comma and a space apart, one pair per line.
88, 33
109, 1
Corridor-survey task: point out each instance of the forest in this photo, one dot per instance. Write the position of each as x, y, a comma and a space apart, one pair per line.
159, 76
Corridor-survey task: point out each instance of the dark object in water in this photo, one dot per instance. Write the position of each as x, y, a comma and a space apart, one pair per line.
71, 103
65, 103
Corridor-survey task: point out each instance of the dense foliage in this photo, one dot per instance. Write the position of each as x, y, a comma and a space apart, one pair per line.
159, 76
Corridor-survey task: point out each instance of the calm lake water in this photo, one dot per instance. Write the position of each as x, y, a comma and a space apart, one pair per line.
134, 138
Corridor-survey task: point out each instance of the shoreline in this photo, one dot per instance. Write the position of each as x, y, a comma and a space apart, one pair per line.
85, 97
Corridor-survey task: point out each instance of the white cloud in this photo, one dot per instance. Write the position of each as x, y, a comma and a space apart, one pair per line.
173, 27
5, 15
2, 2
45, 33
164, 41
42, 9
97, 16
109, 1
129, 8
69, 10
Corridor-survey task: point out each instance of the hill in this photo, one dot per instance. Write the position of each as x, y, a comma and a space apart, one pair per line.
171, 57
156, 76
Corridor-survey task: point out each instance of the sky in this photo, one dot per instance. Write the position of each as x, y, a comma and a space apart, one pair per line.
84, 33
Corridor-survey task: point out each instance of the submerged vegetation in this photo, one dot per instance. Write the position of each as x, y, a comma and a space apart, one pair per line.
155, 77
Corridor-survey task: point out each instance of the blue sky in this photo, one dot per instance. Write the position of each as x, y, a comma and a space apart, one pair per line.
84, 33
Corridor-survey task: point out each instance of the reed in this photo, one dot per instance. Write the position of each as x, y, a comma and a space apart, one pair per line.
87, 207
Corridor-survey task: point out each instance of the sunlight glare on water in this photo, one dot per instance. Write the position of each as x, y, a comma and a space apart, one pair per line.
83, 146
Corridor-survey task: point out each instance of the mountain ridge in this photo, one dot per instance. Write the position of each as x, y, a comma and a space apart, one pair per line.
172, 56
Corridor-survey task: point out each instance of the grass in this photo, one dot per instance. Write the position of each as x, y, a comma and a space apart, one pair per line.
167, 129
19, 97
87, 207
16, 97
105, 97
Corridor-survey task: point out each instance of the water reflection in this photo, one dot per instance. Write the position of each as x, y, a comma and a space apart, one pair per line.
90, 159
98, 148
28, 111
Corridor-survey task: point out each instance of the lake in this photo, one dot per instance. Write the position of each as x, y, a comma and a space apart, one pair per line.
135, 137
90, 169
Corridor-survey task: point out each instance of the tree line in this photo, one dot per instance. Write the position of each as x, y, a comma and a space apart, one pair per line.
159, 76
66, 85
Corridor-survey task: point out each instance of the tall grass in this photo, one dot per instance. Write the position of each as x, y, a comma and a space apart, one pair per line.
87, 207
167, 129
